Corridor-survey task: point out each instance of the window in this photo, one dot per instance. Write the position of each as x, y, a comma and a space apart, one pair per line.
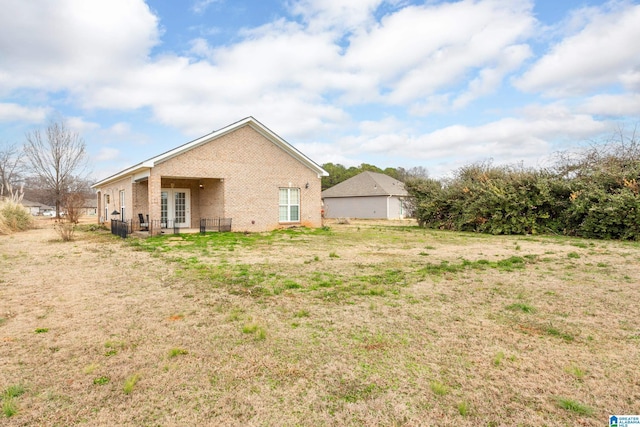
122, 205
289, 205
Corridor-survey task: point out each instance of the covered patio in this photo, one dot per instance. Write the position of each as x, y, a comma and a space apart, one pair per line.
173, 205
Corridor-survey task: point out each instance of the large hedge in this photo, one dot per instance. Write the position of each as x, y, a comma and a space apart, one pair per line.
595, 194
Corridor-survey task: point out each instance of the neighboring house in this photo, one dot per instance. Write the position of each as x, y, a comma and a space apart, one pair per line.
366, 195
35, 208
89, 207
244, 172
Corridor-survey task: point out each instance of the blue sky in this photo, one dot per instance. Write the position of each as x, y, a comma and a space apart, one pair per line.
438, 84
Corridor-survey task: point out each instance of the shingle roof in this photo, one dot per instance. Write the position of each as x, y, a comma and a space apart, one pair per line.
30, 204
248, 121
367, 184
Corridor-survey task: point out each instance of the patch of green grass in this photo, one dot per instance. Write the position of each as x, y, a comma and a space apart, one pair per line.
9, 407
290, 284
234, 315
573, 255
41, 330
510, 264
579, 245
333, 255
258, 331
113, 346
574, 406
354, 392
176, 351
101, 380
497, 359
463, 408
507, 264
13, 391
555, 332
443, 267
301, 313
438, 388
575, 371
130, 383
519, 306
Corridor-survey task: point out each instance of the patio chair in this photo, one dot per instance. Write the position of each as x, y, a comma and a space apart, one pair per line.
144, 225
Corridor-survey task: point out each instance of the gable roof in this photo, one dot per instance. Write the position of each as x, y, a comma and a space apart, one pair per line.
247, 121
367, 184
29, 204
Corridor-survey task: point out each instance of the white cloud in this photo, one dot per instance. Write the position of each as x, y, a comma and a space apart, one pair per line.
299, 76
68, 44
414, 53
529, 137
80, 125
106, 154
604, 52
322, 15
620, 105
10, 112
200, 6
120, 129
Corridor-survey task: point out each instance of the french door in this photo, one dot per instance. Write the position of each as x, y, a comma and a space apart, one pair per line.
175, 207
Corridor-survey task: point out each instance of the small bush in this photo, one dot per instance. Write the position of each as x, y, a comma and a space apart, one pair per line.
14, 217
66, 230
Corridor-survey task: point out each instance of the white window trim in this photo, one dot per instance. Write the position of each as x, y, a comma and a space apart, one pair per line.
289, 205
122, 204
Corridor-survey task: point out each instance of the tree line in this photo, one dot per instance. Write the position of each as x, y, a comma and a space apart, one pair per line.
593, 192
339, 173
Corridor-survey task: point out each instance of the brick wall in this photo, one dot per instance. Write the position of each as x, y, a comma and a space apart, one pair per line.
249, 169
238, 176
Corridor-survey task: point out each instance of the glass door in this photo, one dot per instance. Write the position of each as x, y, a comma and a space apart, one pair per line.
164, 208
180, 208
175, 208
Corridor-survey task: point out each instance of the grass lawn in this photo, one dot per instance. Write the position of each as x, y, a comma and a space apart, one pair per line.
359, 324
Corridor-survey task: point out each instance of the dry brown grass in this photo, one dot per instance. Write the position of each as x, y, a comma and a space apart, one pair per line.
359, 325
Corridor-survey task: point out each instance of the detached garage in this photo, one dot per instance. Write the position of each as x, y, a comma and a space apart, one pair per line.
369, 195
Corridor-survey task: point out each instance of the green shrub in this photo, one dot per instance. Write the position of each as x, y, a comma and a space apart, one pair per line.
595, 194
14, 217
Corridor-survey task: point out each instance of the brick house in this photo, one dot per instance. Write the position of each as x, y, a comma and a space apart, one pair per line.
243, 171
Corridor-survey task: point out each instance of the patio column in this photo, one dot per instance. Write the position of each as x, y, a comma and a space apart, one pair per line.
154, 203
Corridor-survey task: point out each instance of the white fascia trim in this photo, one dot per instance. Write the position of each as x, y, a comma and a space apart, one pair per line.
255, 124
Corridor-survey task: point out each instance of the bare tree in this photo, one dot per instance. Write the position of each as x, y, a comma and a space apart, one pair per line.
10, 168
57, 157
403, 174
